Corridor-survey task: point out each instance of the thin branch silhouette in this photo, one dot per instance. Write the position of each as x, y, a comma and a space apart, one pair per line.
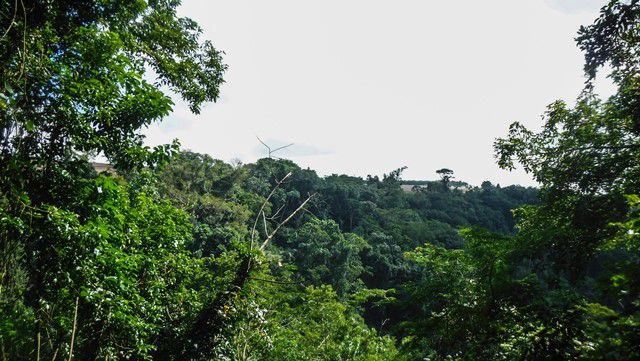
271, 151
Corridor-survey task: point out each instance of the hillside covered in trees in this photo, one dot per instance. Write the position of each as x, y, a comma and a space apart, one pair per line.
174, 255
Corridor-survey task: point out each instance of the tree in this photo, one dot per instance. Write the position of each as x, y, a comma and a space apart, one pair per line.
288, 322
459, 299
563, 287
586, 157
209, 190
324, 255
612, 39
445, 177
119, 255
75, 83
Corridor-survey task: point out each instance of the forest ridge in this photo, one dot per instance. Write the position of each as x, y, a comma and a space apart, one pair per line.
175, 255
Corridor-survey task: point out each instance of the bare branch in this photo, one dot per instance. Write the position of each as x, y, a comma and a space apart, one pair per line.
265, 144
273, 217
279, 148
73, 332
264, 204
266, 241
15, 12
264, 219
271, 151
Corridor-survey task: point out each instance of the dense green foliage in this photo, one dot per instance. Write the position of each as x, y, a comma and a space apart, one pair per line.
176, 255
353, 233
564, 286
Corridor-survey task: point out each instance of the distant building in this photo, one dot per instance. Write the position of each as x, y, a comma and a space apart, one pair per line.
103, 167
458, 186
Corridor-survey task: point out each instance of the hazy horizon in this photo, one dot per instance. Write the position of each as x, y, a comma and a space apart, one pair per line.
365, 87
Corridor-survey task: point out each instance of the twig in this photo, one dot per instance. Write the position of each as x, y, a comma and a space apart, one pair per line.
15, 12
24, 46
279, 148
264, 220
264, 204
271, 151
73, 332
266, 241
265, 144
325, 339
273, 217
276, 281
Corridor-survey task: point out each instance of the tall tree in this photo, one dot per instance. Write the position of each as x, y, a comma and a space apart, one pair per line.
446, 175
78, 78
564, 286
87, 75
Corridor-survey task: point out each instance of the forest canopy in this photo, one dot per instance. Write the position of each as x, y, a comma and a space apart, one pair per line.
174, 255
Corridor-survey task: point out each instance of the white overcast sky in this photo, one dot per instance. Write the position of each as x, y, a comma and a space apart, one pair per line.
366, 86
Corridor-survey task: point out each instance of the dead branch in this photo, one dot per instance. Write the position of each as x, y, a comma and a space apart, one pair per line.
273, 217
264, 204
271, 151
273, 233
13, 19
73, 332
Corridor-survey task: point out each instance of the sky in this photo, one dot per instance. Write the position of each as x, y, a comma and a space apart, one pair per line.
367, 86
